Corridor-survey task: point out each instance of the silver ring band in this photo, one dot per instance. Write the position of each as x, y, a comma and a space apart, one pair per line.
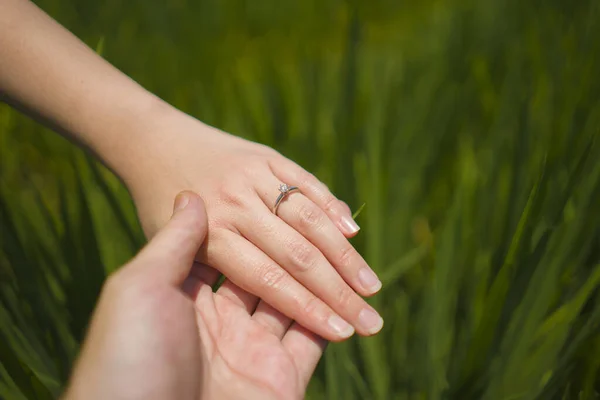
285, 190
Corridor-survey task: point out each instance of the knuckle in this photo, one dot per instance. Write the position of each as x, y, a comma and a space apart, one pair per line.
232, 195
216, 223
273, 277
346, 256
306, 178
344, 296
302, 256
253, 169
310, 215
330, 202
311, 306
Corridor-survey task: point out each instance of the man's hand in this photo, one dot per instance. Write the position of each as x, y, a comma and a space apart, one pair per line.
159, 332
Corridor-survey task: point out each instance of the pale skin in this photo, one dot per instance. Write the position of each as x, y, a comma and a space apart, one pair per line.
299, 261
159, 331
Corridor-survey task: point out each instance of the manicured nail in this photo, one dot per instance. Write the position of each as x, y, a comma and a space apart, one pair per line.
370, 320
349, 225
369, 280
181, 201
341, 327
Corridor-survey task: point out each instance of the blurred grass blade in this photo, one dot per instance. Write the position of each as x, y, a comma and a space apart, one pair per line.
135, 238
357, 213
100, 47
400, 267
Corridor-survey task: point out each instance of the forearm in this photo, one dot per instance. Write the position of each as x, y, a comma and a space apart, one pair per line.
49, 73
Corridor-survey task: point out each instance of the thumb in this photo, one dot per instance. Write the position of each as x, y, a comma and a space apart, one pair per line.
171, 252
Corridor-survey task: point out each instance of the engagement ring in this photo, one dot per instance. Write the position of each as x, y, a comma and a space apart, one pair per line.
285, 190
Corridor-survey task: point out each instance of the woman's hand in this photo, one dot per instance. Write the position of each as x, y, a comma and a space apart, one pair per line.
299, 260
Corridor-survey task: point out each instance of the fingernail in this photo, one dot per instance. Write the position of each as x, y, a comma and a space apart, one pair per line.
369, 280
341, 327
370, 320
349, 225
181, 201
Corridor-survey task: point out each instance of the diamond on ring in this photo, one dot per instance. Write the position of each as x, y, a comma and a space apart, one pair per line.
285, 189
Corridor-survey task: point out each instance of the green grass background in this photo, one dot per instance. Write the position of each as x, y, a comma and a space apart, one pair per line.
469, 128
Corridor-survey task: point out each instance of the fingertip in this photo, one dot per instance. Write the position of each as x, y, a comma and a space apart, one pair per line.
181, 200
376, 289
341, 329
192, 205
348, 226
370, 321
187, 198
369, 282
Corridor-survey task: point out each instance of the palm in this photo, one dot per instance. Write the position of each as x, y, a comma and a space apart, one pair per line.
251, 355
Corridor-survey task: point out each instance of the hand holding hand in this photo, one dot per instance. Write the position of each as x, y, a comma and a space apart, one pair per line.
299, 260
150, 340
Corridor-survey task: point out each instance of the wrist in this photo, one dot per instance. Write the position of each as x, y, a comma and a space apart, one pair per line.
126, 138
148, 142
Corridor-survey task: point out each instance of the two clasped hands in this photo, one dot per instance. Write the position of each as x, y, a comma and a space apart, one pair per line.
294, 281
160, 332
